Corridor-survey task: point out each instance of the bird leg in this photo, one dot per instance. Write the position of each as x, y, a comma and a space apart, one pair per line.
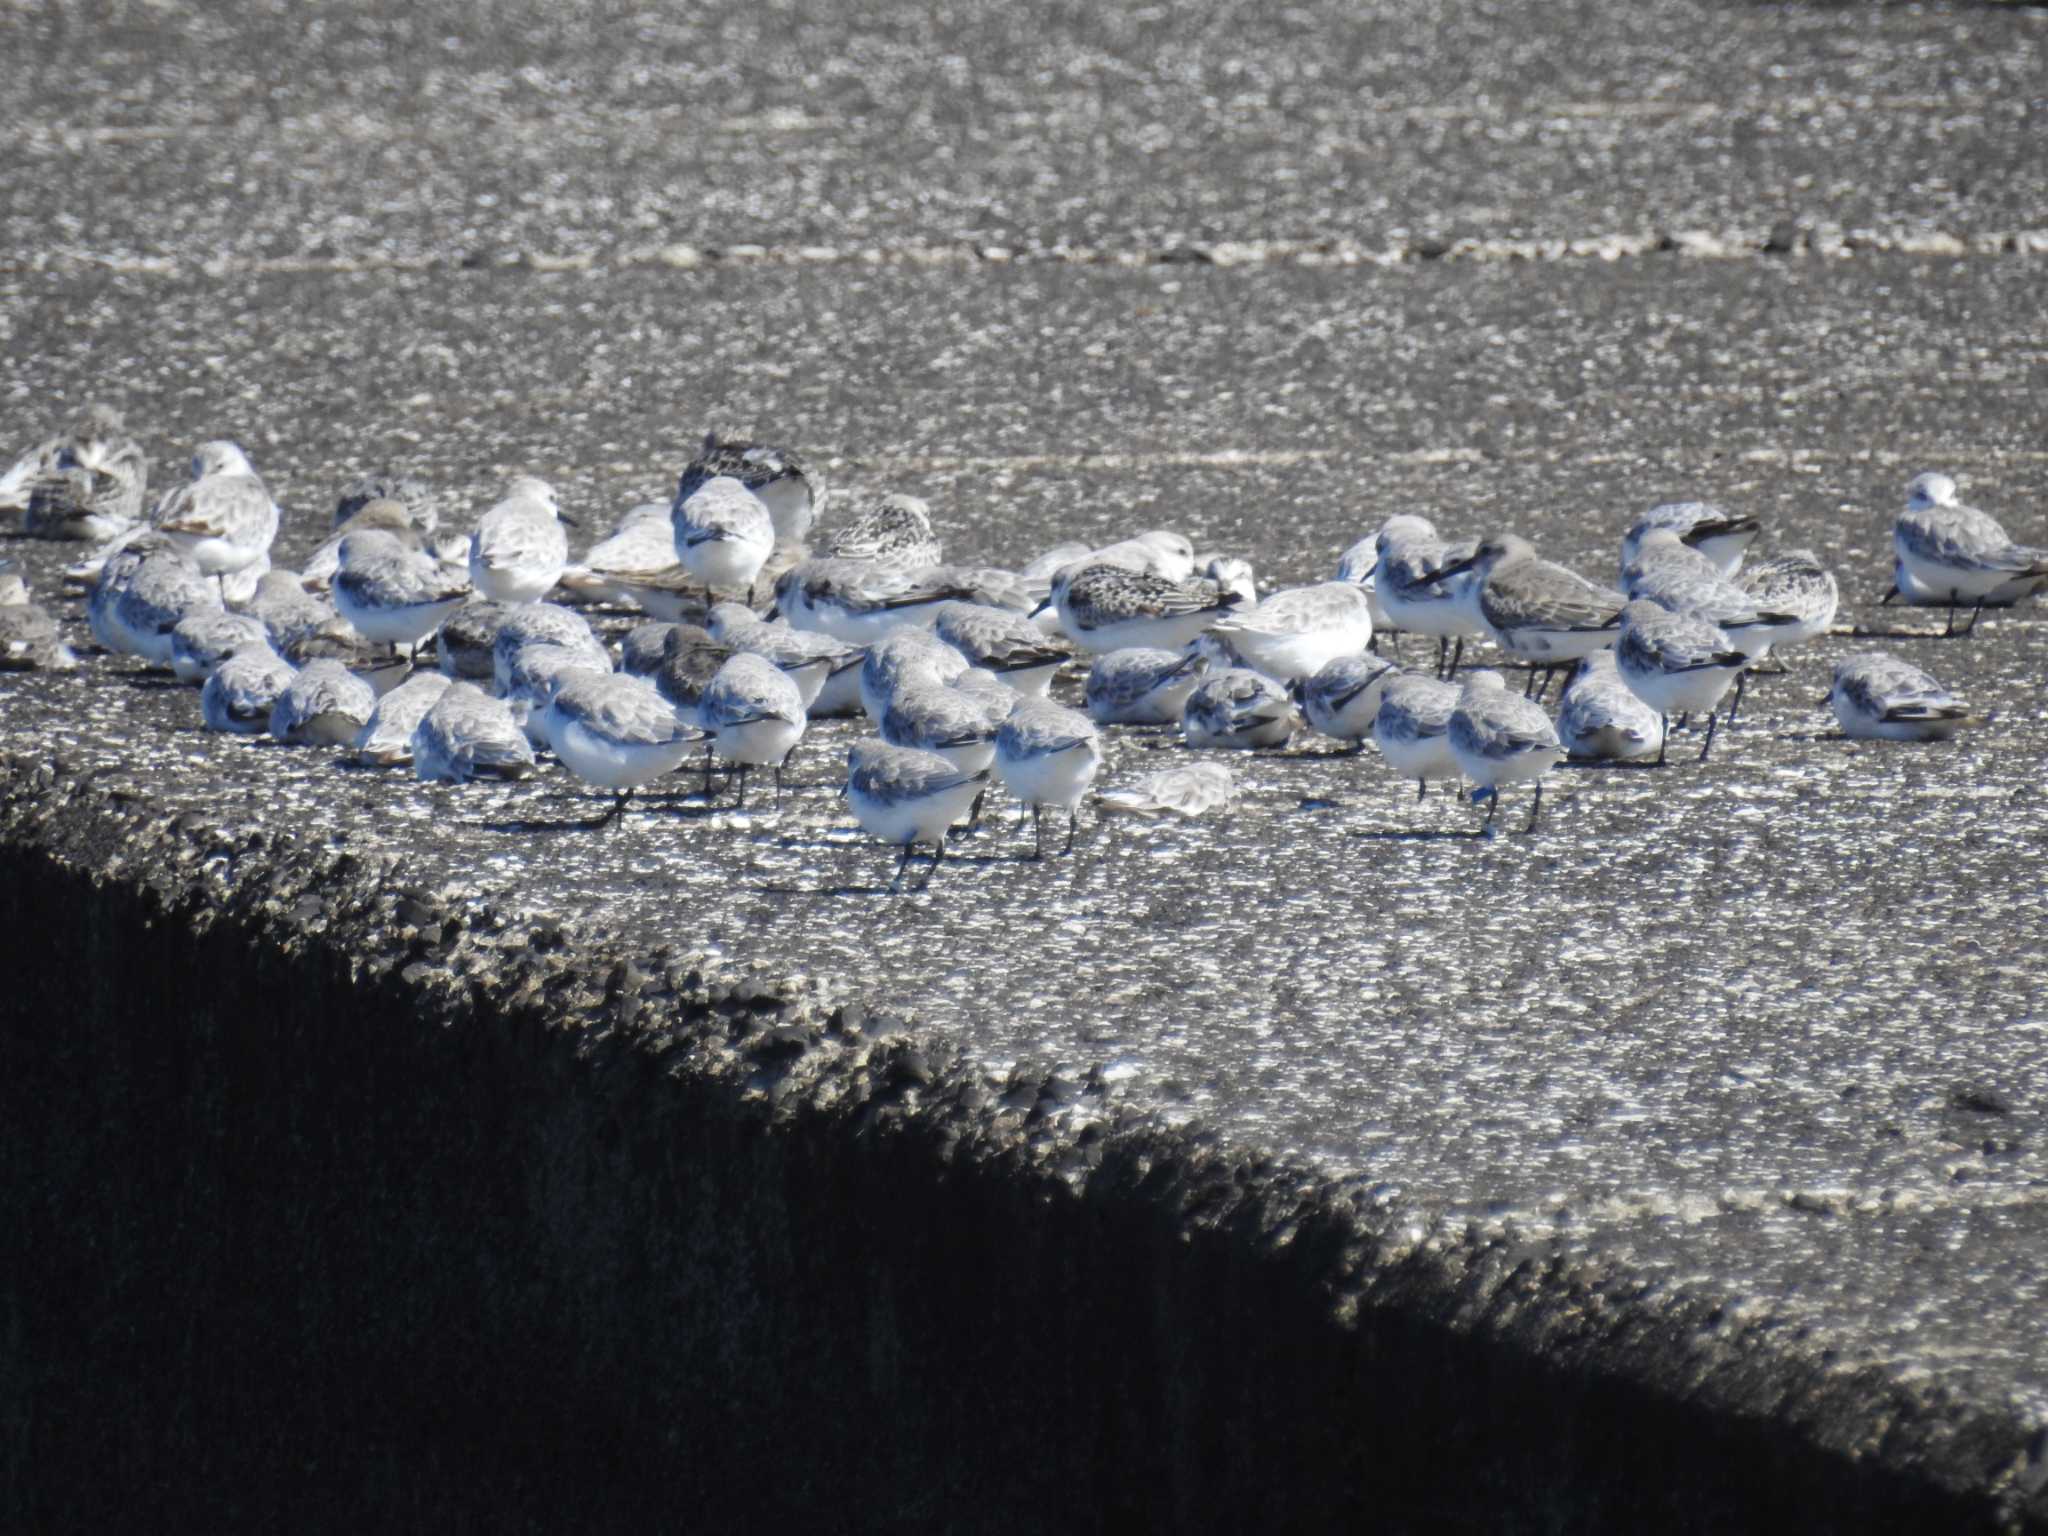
1457, 655
1740, 678
902, 864
1038, 831
1709, 744
1538, 806
1421, 788
1663, 735
1073, 826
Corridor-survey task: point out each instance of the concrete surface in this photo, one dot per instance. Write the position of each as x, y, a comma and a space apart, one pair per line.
1727, 1084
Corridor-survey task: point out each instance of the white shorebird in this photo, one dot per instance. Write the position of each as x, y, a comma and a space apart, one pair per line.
1956, 551
1879, 696
316, 574
1004, 644
88, 482
1677, 663
1141, 685
201, 641
1412, 729
902, 657
1600, 718
810, 659
422, 509
909, 798
789, 488
1797, 584
324, 705
162, 590
2006, 594
1535, 609
518, 551
1673, 575
893, 531
30, 640
958, 726
857, 602
385, 740
469, 735
1721, 536
466, 643
1048, 755
1293, 633
222, 518
534, 673
636, 566
1191, 791
243, 690
1342, 699
1238, 708
1408, 561
391, 594
528, 624
1112, 608
1500, 739
755, 715
723, 534
615, 731
1157, 552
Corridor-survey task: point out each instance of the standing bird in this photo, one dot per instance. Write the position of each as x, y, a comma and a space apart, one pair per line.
1291, 634
1958, 552
790, 489
1500, 739
1413, 729
1676, 663
1722, 536
1408, 570
1679, 578
755, 715
391, 594
723, 535
909, 798
222, 518
1535, 609
1342, 699
518, 550
1048, 754
615, 731
1879, 696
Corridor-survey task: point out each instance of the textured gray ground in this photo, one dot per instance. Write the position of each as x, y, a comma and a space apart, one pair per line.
1767, 1033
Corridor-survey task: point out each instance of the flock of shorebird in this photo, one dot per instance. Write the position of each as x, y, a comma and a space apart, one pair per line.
749, 636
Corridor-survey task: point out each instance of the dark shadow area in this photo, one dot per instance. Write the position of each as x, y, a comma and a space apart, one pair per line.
295, 1248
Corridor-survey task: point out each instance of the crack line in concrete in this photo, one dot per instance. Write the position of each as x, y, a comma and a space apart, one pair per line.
1782, 241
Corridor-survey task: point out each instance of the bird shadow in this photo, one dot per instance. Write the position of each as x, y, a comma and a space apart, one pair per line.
1422, 835
1613, 764
153, 682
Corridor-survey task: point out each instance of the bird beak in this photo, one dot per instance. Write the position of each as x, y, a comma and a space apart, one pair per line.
1456, 570
774, 613
1043, 605
573, 522
1890, 592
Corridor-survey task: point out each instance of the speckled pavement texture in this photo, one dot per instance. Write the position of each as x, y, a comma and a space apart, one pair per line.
1752, 1052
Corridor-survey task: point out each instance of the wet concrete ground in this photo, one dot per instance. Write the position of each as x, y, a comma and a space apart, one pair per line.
1766, 1033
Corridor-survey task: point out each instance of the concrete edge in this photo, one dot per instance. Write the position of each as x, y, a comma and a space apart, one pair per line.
1412, 1382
